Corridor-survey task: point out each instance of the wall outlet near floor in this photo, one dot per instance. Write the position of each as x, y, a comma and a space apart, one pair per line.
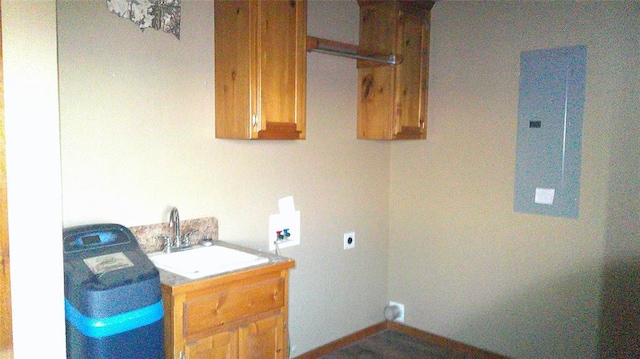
401, 308
349, 240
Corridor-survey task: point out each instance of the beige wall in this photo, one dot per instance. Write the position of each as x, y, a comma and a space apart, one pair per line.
461, 260
620, 317
137, 133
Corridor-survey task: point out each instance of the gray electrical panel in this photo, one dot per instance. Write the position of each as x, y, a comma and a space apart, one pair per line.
549, 139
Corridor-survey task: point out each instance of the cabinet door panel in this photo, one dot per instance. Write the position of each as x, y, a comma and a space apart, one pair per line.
219, 346
232, 69
278, 61
392, 99
376, 83
411, 76
282, 63
263, 339
260, 69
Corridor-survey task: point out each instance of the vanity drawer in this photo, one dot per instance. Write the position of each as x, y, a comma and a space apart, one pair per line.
218, 308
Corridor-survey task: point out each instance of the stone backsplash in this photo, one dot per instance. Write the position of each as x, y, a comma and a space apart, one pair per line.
149, 236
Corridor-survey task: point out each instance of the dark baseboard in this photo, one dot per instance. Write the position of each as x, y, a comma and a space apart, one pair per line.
416, 333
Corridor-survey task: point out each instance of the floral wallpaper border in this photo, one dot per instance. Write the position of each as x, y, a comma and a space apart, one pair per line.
157, 14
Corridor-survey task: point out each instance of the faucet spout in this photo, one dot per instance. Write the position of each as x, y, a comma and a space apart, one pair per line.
174, 228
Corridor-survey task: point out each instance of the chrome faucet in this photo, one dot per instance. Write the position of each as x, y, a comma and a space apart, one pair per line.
175, 239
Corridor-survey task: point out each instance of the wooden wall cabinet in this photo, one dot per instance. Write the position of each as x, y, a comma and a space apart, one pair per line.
392, 99
260, 69
239, 315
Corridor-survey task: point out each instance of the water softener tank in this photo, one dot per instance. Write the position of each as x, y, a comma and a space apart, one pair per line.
113, 301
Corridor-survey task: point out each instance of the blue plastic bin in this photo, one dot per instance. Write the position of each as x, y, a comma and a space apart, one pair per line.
113, 300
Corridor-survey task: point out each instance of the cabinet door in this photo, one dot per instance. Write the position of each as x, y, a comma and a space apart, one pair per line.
218, 346
281, 84
376, 82
392, 99
411, 76
263, 339
260, 69
232, 69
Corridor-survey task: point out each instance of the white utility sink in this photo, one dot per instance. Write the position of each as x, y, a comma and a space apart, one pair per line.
205, 261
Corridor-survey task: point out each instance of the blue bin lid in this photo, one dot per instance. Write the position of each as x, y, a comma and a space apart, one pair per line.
96, 287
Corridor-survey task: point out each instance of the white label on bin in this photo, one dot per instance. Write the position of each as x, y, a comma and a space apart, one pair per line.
108, 262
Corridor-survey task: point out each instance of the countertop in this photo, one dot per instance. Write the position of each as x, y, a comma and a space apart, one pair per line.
173, 280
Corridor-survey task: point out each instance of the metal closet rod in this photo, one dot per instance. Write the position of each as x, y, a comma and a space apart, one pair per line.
336, 48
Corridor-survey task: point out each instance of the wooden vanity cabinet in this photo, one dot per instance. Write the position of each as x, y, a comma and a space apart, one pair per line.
260, 69
392, 99
239, 315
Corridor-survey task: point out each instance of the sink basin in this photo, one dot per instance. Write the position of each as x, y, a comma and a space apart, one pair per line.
205, 261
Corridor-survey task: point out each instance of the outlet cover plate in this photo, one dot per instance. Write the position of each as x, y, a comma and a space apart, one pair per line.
349, 240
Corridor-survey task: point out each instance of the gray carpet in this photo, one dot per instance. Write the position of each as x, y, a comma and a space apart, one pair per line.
390, 344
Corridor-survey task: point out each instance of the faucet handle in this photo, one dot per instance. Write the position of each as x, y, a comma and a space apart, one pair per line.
185, 239
167, 242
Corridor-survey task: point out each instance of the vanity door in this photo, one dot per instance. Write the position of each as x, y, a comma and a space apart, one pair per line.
218, 346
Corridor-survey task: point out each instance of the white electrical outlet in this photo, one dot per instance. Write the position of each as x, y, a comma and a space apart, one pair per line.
349, 240
401, 307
